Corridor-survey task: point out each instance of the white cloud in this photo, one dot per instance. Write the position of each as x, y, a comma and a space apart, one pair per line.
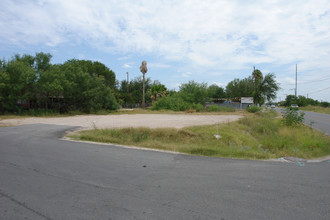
127, 65
208, 36
186, 74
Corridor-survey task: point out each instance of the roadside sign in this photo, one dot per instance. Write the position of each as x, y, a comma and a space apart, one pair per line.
247, 100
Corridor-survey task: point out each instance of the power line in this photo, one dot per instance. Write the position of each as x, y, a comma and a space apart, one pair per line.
319, 80
319, 90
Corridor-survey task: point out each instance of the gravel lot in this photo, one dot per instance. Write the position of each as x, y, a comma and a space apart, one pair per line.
126, 120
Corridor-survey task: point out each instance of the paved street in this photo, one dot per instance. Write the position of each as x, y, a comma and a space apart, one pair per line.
318, 121
44, 177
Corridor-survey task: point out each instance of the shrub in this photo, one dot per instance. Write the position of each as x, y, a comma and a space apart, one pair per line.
325, 104
253, 109
215, 108
198, 107
174, 103
293, 117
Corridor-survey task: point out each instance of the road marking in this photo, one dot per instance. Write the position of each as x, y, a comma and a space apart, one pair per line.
301, 163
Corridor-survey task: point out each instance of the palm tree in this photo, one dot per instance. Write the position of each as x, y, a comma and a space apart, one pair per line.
158, 91
144, 70
264, 87
257, 79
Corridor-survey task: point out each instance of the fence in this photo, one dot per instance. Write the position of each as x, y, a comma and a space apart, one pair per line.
235, 105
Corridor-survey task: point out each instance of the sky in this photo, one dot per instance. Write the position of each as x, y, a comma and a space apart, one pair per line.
211, 41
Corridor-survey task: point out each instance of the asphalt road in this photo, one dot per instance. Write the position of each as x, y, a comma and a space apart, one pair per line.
43, 177
318, 121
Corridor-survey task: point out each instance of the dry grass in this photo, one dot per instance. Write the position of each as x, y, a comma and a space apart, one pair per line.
317, 109
260, 136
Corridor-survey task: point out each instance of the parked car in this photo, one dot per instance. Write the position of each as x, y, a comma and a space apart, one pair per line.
272, 106
294, 106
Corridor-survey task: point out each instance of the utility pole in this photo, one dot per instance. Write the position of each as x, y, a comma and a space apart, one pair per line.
295, 93
127, 82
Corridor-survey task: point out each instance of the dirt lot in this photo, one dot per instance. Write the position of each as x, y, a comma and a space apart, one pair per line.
127, 120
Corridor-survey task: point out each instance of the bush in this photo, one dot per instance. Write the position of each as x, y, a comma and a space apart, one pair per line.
325, 104
292, 117
174, 103
198, 107
216, 108
253, 109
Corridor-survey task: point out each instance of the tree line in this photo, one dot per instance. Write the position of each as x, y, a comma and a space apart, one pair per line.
302, 101
32, 82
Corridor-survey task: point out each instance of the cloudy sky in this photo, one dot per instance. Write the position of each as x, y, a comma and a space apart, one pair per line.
212, 41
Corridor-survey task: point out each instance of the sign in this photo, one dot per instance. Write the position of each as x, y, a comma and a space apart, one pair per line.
247, 100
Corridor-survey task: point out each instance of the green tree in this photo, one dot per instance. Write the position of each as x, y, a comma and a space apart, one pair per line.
215, 91
85, 91
50, 86
267, 88
157, 91
240, 88
193, 92
289, 100
131, 93
256, 86
17, 85
257, 79
42, 61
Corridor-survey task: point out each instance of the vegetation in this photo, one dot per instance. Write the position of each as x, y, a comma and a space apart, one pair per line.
302, 101
31, 83
253, 109
215, 108
307, 104
216, 92
293, 117
191, 95
256, 86
258, 137
130, 94
319, 109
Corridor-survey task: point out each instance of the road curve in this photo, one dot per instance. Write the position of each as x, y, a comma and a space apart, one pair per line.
44, 177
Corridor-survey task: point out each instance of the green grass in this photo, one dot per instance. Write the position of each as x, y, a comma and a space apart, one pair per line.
260, 136
318, 109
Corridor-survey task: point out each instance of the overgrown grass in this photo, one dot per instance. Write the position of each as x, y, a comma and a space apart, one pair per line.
216, 108
319, 109
257, 137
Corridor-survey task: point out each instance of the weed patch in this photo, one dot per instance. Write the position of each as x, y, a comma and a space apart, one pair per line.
260, 136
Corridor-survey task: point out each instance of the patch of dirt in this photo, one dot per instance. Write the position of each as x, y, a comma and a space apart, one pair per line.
129, 120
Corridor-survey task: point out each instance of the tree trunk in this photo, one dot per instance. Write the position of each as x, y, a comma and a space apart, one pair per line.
143, 100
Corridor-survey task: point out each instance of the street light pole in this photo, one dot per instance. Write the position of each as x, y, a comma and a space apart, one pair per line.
295, 93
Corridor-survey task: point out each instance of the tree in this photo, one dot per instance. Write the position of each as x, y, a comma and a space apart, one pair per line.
17, 85
215, 91
144, 70
257, 79
131, 93
157, 91
256, 86
42, 61
240, 88
267, 88
193, 92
